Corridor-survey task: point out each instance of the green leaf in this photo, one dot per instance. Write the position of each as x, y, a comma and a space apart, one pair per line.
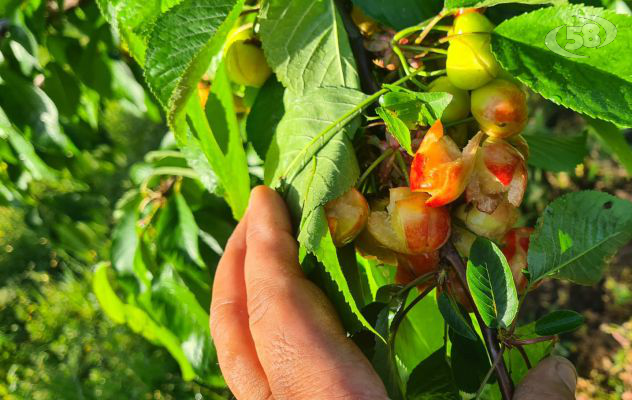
24, 149
594, 81
492, 286
228, 161
470, 362
396, 127
454, 317
305, 59
383, 360
181, 46
138, 320
125, 238
327, 256
577, 234
377, 275
456, 4
613, 139
415, 108
265, 115
556, 153
197, 161
327, 166
177, 230
354, 275
175, 307
399, 14
62, 88
432, 379
420, 333
29, 108
557, 322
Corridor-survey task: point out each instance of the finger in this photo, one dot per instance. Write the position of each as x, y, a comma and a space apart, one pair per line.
229, 323
301, 344
554, 378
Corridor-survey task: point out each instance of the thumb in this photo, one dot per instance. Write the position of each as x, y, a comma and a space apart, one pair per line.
554, 378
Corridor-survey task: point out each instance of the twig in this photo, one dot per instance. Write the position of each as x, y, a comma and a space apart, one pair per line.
525, 357
416, 282
489, 373
399, 317
402, 166
367, 80
506, 385
526, 342
430, 25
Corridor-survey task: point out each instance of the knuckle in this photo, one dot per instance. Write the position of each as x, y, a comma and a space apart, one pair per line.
265, 294
220, 312
264, 234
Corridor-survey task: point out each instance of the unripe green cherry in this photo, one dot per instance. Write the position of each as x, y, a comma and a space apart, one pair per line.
471, 22
470, 63
459, 106
246, 64
500, 108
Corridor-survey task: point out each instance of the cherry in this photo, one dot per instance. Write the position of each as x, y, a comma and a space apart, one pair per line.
470, 63
471, 22
346, 216
500, 175
459, 106
515, 250
462, 240
408, 225
490, 225
500, 108
440, 169
365, 24
411, 267
246, 63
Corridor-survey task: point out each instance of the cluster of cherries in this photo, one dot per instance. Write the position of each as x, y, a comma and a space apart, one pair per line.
459, 188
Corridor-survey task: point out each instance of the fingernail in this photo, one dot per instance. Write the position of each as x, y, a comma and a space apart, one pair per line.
567, 374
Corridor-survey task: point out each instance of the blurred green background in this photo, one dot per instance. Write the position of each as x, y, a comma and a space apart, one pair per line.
80, 136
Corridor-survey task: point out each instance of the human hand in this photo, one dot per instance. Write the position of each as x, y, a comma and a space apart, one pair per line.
278, 337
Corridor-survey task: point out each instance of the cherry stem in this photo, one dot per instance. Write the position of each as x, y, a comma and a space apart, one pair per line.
387, 153
458, 122
417, 281
423, 48
430, 25
491, 336
398, 318
402, 166
499, 357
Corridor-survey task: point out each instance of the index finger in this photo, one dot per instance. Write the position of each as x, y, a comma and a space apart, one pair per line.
301, 344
